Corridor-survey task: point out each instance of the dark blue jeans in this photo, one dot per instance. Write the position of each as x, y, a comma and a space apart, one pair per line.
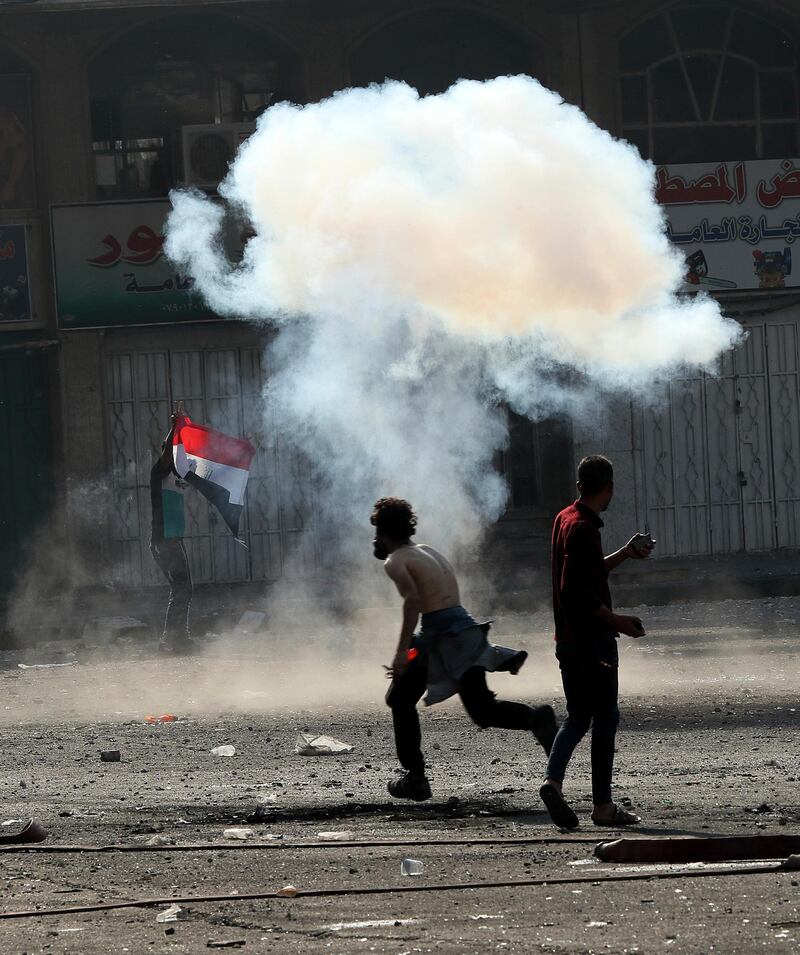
480, 703
173, 561
589, 675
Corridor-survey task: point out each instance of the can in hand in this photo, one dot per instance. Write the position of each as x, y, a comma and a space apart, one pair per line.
642, 543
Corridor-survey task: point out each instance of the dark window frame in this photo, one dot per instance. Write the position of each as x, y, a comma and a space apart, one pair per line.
645, 133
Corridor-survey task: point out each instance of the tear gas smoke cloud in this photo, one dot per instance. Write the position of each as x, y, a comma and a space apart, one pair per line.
429, 257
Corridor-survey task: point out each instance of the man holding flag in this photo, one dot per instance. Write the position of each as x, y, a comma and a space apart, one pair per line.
218, 466
166, 545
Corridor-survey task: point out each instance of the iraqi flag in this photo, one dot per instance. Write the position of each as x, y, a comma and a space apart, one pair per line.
216, 464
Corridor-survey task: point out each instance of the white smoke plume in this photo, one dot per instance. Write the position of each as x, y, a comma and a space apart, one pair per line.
429, 258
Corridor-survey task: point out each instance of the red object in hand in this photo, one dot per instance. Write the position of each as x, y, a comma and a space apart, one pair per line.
412, 654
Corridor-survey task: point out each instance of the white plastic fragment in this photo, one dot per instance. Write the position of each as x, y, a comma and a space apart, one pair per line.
173, 914
313, 744
411, 867
224, 750
242, 833
45, 666
340, 835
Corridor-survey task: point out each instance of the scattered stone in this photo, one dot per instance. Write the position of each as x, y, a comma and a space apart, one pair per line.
160, 841
110, 756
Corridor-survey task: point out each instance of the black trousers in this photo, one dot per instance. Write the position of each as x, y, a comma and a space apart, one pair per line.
480, 703
170, 555
589, 674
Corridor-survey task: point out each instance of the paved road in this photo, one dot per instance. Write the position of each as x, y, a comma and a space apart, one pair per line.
709, 744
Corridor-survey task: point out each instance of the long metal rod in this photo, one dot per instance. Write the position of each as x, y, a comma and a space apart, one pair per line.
389, 890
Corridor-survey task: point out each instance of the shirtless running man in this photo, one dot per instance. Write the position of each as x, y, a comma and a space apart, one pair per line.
449, 655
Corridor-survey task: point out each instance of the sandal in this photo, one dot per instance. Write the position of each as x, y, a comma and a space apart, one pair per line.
560, 811
619, 817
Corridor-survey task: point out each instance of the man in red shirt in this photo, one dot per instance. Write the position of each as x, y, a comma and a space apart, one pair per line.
586, 643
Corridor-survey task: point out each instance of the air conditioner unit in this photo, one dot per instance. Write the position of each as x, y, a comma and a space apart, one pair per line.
209, 150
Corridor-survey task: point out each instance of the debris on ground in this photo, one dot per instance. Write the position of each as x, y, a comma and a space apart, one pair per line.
249, 622
102, 630
314, 744
230, 943
342, 835
172, 914
45, 666
411, 867
32, 831
265, 806
224, 750
242, 833
110, 755
160, 841
166, 718
288, 892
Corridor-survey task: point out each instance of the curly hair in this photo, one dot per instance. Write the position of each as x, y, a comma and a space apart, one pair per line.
394, 517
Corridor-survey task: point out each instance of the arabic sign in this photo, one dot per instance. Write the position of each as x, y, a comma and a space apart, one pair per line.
111, 269
15, 300
736, 223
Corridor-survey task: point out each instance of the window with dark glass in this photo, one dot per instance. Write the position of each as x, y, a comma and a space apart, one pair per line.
178, 72
430, 50
709, 82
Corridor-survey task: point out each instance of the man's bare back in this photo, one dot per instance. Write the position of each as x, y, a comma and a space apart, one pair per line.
431, 572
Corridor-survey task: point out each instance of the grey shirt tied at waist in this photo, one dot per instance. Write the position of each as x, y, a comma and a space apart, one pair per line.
453, 642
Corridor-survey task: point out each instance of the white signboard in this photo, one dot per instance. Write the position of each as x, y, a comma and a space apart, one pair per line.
736, 222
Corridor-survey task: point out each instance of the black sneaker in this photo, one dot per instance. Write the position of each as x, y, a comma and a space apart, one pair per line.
409, 786
544, 727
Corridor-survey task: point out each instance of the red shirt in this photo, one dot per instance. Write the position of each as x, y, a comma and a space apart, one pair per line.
580, 578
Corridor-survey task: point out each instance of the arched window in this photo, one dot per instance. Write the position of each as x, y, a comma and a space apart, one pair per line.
432, 50
178, 71
709, 82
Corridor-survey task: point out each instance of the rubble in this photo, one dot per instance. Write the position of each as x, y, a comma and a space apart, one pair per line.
314, 744
172, 914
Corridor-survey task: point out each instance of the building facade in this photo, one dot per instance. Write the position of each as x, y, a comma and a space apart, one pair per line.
107, 104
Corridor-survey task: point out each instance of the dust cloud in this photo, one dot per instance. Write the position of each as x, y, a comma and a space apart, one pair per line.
730, 651
428, 260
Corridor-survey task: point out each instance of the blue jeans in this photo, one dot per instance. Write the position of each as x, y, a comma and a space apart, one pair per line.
589, 676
